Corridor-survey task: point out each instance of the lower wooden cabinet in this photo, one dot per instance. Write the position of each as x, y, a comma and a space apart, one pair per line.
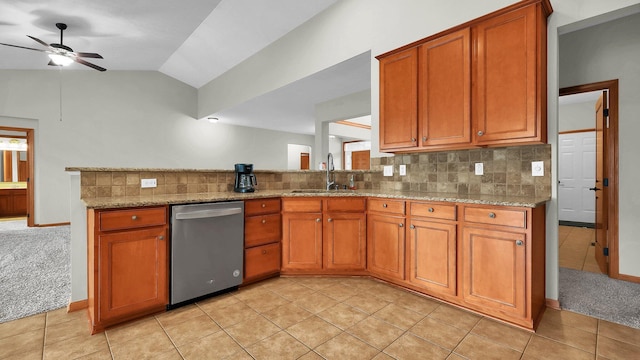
432, 257
13, 202
262, 236
386, 246
330, 241
345, 241
127, 264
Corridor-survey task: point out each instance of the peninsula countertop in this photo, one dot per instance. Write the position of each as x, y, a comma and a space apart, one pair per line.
170, 199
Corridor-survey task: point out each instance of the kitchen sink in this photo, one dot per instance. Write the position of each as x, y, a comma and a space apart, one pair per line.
319, 191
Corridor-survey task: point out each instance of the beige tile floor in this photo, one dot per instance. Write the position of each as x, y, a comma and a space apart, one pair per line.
318, 318
576, 251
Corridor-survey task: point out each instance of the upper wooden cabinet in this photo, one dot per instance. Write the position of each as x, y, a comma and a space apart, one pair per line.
399, 100
509, 95
482, 83
444, 114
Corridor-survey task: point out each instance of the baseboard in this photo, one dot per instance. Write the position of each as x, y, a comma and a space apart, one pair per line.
629, 278
553, 304
77, 305
577, 224
54, 224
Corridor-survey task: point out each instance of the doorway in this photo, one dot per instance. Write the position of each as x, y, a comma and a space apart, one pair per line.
605, 179
13, 198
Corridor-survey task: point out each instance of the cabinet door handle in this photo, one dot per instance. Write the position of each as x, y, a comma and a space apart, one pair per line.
413, 139
160, 237
317, 220
264, 252
412, 226
384, 206
519, 242
401, 225
134, 217
264, 205
492, 215
480, 133
264, 221
329, 219
424, 138
431, 210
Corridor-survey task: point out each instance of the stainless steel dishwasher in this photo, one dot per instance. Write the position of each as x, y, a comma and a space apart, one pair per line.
207, 249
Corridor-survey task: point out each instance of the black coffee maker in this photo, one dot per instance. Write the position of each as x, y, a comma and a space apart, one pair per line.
245, 179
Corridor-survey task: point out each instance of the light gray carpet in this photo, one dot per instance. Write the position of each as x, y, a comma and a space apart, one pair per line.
599, 296
34, 269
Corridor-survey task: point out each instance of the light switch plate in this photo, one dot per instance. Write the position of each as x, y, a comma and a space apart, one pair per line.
387, 170
403, 170
479, 169
148, 183
537, 168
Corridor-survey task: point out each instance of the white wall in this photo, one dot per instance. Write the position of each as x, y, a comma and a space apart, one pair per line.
605, 52
294, 151
122, 119
335, 148
577, 116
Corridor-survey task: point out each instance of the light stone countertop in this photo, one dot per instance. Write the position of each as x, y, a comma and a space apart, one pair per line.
151, 200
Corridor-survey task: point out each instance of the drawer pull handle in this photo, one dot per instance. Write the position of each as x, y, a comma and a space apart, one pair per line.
264, 221
160, 237
413, 139
401, 225
431, 210
480, 133
384, 206
519, 242
412, 226
134, 217
317, 220
329, 219
264, 252
492, 215
424, 138
264, 205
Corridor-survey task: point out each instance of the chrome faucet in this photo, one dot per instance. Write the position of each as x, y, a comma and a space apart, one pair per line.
330, 168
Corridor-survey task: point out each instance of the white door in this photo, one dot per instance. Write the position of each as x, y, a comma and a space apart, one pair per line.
576, 174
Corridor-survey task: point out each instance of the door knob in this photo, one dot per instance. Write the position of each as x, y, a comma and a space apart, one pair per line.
424, 138
480, 133
329, 220
264, 221
431, 210
134, 217
318, 220
492, 215
384, 205
519, 242
412, 226
595, 188
401, 225
160, 237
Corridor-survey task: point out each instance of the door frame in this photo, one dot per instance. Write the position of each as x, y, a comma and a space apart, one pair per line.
30, 135
611, 168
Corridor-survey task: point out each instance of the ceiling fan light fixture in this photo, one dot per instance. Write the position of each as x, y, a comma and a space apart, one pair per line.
60, 59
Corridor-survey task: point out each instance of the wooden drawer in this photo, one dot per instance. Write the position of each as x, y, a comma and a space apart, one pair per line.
262, 229
496, 216
434, 211
262, 260
261, 206
386, 206
345, 204
132, 218
302, 205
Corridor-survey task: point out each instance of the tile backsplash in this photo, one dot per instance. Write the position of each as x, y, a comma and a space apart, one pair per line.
507, 171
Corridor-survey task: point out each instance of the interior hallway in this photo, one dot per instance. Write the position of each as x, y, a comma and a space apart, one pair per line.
576, 251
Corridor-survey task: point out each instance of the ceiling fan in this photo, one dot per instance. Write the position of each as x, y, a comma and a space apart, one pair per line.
62, 55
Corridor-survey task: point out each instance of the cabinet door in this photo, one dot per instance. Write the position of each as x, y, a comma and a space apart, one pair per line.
506, 92
133, 272
386, 246
445, 90
345, 241
432, 256
399, 100
302, 241
494, 270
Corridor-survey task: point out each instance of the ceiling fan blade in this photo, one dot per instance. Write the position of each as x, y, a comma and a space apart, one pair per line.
89, 55
23, 47
86, 63
39, 41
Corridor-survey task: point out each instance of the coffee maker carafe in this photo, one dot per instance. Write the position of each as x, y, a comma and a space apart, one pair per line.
245, 179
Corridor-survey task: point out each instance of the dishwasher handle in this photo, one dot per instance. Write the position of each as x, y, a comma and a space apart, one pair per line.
203, 214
